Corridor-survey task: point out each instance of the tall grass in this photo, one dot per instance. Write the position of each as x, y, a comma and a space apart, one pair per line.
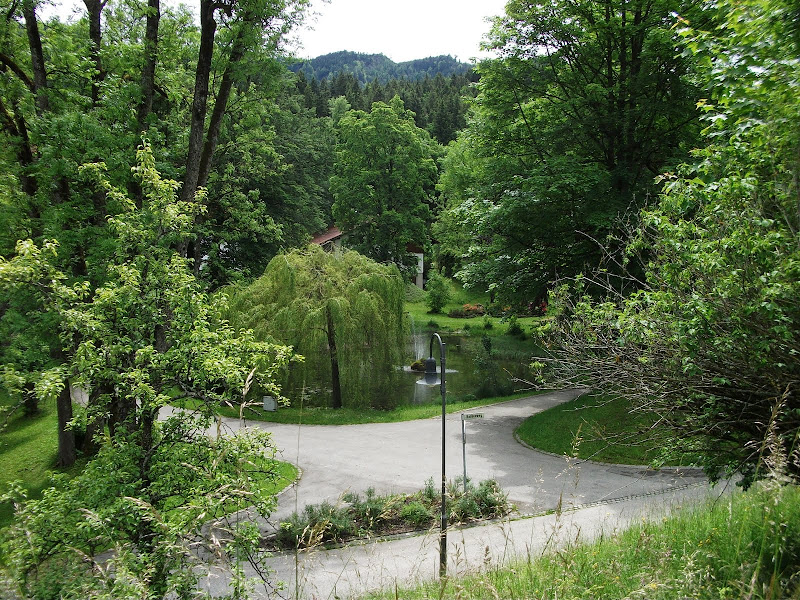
743, 545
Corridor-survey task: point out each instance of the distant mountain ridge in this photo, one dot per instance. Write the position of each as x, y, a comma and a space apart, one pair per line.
368, 67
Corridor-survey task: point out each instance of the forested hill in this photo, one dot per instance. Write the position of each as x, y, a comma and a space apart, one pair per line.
369, 67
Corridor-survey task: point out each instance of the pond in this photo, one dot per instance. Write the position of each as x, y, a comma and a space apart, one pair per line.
477, 365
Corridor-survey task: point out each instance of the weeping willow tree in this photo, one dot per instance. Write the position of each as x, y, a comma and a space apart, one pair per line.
342, 311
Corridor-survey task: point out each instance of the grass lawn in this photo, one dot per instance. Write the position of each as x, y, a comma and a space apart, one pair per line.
350, 416
418, 310
287, 474
596, 428
28, 448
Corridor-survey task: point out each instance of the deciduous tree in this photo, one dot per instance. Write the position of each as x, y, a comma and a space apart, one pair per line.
711, 343
383, 182
147, 333
585, 104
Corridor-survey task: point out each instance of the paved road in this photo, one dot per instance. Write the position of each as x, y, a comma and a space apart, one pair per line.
399, 457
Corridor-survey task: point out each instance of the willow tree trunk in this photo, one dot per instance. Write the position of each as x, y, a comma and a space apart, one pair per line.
66, 437
336, 386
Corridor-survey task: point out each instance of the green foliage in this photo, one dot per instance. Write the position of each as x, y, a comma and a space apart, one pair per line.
414, 293
28, 452
438, 292
265, 192
370, 67
711, 344
149, 530
340, 311
269, 189
491, 381
436, 100
561, 144
128, 343
514, 328
417, 514
383, 180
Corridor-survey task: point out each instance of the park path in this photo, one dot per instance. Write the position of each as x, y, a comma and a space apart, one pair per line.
398, 457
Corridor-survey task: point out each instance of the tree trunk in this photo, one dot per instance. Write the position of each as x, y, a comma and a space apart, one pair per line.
96, 424
121, 415
208, 28
220, 105
94, 8
66, 437
336, 387
29, 400
17, 129
149, 66
37, 56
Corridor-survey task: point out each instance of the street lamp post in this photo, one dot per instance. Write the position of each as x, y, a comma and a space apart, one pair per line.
431, 379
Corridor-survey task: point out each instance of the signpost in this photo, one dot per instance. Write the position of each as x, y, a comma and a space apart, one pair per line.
464, 418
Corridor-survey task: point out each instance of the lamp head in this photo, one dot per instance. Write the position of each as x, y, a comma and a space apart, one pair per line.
431, 377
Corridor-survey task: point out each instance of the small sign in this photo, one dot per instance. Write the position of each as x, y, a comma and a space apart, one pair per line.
472, 416
270, 404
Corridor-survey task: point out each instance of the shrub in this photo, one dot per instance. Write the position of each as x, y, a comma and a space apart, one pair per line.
514, 328
467, 311
490, 498
429, 492
416, 513
368, 512
418, 365
438, 292
324, 523
464, 508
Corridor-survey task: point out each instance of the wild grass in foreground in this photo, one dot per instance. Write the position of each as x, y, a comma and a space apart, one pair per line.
744, 545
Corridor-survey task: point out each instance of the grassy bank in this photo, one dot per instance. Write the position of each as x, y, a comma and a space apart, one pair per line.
352, 416
597, 428
746, 545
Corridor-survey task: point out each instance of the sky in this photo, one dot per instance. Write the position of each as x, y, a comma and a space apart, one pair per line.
401, 29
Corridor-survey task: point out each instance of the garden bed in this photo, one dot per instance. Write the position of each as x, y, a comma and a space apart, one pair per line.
357, 517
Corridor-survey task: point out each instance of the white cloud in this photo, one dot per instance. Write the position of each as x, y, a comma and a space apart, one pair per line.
401, 30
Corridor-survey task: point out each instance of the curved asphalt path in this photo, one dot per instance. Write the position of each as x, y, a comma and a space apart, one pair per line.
400, 457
